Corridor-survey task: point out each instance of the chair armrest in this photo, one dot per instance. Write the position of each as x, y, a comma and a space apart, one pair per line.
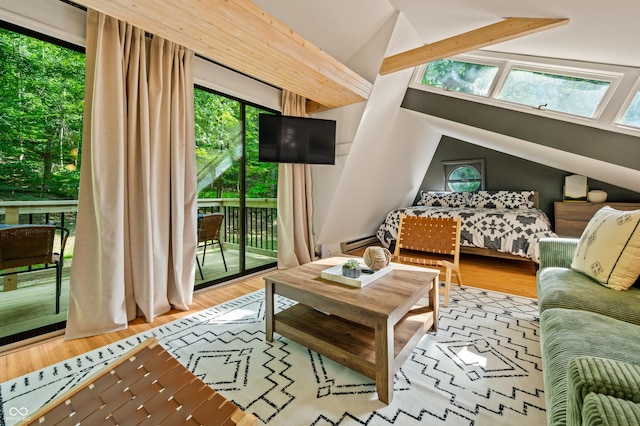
557, 252
603, 376
601, 410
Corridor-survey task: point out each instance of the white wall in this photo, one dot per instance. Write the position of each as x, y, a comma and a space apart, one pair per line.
389, 155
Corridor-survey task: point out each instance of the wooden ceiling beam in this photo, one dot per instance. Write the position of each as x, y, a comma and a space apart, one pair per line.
499, 32
241, 36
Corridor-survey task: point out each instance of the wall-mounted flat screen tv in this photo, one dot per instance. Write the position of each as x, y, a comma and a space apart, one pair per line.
287, 139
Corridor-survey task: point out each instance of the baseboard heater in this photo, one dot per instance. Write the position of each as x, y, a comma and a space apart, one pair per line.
349, 246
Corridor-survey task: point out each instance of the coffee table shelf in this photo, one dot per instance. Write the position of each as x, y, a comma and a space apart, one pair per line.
349, 343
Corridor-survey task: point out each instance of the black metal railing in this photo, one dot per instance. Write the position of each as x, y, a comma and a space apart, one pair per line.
261, 221
260, 214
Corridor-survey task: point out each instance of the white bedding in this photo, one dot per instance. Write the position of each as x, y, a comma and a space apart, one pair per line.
514, 231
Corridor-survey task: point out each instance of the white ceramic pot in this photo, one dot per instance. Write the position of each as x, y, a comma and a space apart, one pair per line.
597, 196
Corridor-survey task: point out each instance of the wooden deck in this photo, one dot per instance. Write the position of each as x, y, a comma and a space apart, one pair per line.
32, 305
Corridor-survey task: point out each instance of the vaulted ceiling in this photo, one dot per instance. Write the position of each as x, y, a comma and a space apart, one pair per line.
303, 46
604, 32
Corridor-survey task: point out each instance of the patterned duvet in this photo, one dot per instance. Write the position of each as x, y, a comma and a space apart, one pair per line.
514, 231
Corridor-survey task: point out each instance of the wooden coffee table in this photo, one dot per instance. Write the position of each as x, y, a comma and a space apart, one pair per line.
371, 330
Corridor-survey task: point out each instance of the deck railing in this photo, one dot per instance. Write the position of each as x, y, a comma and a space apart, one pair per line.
261, 215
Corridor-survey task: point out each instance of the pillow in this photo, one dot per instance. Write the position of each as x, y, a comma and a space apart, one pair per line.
501, 199
443, 199
609, 248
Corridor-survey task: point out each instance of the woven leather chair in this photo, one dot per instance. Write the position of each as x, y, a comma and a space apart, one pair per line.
30, 245
146, 385
209, 233
433, 242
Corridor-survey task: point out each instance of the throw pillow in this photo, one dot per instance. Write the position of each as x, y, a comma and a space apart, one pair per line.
443, 199
501, 199
609, 248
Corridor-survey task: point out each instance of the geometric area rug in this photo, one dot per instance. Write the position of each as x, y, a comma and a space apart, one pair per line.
482, 367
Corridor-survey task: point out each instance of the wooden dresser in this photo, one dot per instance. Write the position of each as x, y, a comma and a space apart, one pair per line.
572, 217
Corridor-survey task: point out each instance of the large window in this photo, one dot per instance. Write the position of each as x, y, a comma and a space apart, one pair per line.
41, 120
232, 181
42, 87
588, 94
556, 92
458, 76
631, 116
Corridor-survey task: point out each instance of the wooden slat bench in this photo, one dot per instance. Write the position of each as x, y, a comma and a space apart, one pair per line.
145, 386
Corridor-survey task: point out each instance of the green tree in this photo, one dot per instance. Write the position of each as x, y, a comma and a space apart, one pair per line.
219, 148
41, 104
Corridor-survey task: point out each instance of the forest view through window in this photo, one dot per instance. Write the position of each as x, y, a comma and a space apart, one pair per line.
41, 119
232, 182
41, 122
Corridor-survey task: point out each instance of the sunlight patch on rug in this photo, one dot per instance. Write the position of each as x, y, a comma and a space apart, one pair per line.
482, 366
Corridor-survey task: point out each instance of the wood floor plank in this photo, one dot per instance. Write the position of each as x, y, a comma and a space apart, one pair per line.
507, 276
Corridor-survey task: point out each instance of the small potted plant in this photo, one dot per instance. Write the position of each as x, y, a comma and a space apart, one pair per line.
351, 269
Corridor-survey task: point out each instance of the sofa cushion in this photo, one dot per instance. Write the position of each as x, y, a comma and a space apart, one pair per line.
565, 288
605, 410
609, 248
568, 333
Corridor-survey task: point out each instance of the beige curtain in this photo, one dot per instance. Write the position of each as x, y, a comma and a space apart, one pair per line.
295, 207
136, 227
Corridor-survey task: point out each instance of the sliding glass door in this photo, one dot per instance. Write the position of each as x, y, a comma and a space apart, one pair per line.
232, 183
41, 104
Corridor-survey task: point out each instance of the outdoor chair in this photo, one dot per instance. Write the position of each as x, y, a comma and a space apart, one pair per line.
30, 245
209, 233
433, 242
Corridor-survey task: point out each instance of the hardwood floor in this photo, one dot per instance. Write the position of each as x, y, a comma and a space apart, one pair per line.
507, 276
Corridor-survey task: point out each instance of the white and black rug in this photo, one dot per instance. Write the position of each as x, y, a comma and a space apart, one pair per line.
482, 367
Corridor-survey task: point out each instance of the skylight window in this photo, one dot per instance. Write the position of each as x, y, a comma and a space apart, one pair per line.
631, 116
458, 76
579, 92
562, 93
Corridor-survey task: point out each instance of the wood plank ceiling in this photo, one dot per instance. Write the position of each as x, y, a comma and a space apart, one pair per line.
241, 36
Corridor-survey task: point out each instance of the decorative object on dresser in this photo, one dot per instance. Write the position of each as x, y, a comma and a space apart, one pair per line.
571, 218
597, 196
575, 188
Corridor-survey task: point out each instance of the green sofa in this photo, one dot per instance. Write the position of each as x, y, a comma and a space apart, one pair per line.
590, 339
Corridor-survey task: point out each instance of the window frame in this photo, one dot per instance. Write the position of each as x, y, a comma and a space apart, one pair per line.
451, 166
607, 115
420, 71
635, 91
611, 78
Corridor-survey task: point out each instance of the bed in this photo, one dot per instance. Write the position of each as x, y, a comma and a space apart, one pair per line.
506, 224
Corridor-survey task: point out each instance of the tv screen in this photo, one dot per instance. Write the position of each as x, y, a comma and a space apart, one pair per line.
286, 139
